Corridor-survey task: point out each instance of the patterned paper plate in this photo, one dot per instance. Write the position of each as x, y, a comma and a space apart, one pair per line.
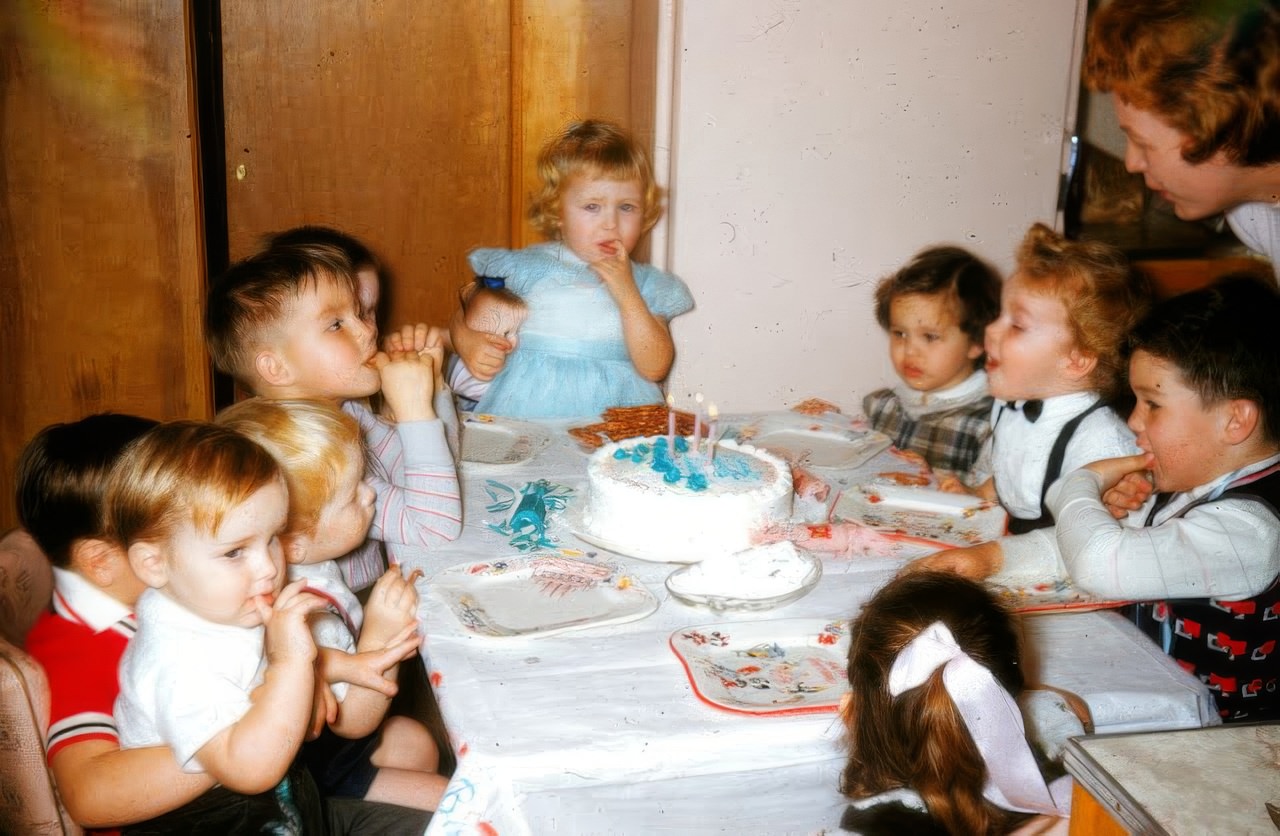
780, 667
947, 519
1060, 596
490, 440
540, 595
823, 441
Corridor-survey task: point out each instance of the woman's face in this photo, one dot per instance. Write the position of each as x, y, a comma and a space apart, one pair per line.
1154, 150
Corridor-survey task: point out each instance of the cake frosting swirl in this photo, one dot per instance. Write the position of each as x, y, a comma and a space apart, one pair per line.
649, 496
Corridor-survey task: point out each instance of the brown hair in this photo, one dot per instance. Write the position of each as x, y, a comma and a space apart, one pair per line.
62, 476
1103, 295
1209, 68
183, 470
252, 297
591, 148
918, 739
971, 285
314, 442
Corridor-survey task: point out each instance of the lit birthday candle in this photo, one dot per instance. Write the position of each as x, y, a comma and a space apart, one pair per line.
671, 423
714, 415
697, 420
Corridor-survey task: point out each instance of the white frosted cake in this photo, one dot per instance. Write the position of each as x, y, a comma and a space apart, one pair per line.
652, 503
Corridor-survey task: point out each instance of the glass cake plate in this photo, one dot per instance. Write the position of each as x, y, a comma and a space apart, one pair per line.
540, 595
948, 519
780, 667
487, 439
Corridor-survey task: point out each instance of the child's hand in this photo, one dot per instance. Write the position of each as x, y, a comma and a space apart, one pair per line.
368, 669
392, 607
975, 562
614, 271
413, 338
1114, 470
288, 638
950, 483
483, 354
408, 384
1129, 494
324, 707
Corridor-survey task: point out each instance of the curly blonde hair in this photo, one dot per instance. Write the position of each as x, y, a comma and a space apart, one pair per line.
591, 148
1209, 68
1103, 295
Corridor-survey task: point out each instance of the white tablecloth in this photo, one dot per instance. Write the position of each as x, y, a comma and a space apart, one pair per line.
598, 730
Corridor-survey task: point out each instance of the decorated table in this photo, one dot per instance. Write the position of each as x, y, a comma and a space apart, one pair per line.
632, 720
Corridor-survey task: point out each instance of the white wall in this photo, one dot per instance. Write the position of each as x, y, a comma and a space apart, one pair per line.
817, 144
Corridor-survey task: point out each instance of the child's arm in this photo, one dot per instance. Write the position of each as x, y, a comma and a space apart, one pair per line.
390, 622
253, 754
422, 506
105, 786
370, 677
647, 336
1228, 549
977, 562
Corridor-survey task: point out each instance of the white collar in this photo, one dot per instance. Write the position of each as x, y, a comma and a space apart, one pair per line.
917, 403
78, 599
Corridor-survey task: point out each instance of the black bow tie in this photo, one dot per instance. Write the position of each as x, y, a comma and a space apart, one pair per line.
1031, 409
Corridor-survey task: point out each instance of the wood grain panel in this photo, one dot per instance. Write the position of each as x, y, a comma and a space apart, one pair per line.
576, 59
415, 125
100, 278
387, 120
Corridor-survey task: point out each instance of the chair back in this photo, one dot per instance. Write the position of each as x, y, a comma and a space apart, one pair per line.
29, 801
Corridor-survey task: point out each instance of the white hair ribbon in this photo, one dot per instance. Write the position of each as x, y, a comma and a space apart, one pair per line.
990, 713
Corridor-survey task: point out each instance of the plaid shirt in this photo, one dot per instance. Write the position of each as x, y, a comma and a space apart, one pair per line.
949, 439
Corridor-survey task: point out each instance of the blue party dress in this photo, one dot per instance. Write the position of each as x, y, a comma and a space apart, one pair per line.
570, 360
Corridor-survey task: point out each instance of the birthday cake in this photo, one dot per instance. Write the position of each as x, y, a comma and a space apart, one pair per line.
649, 497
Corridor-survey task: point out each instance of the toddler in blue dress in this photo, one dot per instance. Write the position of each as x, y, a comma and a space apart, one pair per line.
596, 334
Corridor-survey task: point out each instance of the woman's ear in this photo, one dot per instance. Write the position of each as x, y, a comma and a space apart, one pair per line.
149, 563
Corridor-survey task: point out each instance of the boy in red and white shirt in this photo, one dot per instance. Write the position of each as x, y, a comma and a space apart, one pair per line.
79, 642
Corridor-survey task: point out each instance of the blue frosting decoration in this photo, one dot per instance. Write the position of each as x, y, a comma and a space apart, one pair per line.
692, 470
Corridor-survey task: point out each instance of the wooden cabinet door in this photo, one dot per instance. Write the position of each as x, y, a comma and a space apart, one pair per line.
413, 124
101, 284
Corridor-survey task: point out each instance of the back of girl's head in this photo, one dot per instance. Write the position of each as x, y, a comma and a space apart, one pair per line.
254, 295
183, 471
314, 442
62, 477
597, 150
1103, 296
918, 739
971, 284
1208, 68
1222, 341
